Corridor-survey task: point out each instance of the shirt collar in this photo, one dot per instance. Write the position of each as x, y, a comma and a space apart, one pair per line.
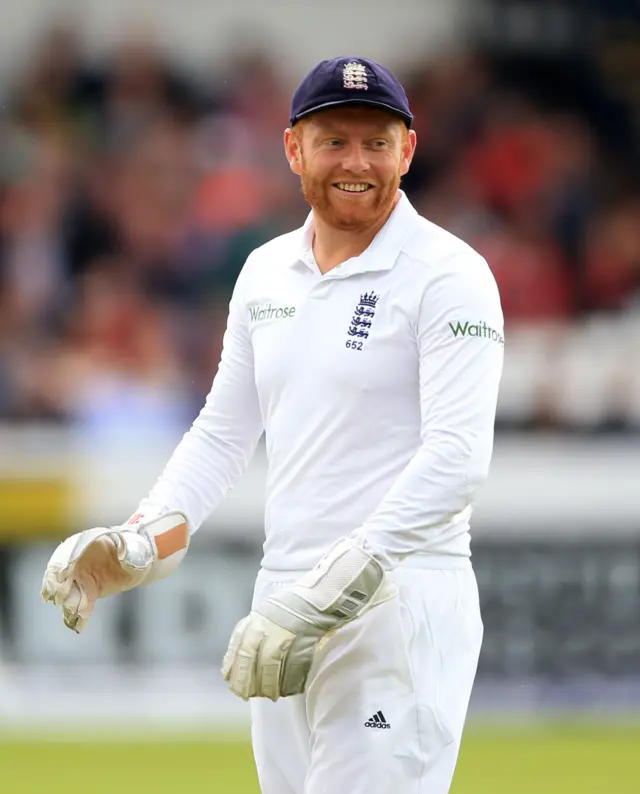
380, 255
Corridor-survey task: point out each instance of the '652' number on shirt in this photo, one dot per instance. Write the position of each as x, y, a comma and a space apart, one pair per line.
354, 344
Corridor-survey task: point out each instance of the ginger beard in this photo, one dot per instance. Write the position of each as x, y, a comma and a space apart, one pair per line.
348, 212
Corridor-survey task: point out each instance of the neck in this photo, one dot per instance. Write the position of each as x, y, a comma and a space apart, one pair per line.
332, 247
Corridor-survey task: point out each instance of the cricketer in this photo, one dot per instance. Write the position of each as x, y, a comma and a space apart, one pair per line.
368, 347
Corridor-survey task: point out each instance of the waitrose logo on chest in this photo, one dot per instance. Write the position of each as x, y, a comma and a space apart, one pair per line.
269, 312
479, 330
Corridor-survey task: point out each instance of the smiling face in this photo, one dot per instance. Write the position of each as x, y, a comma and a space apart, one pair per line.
350, 161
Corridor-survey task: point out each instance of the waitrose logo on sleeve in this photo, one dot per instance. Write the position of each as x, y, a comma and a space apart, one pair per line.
268, 312
478, 330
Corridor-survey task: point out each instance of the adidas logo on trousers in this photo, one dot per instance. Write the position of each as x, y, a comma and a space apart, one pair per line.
377, 721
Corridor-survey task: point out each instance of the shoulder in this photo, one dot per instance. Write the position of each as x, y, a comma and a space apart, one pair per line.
441, 270
435, 252
264, 263
276, 252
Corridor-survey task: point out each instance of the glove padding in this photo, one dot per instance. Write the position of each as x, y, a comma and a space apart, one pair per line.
271, 650
103, 561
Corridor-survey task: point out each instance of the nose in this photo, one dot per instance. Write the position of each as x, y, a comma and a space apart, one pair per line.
355, 160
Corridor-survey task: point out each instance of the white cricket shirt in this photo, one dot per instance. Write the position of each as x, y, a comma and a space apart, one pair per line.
376, 385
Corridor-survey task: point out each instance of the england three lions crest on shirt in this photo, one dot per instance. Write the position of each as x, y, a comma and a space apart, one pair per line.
362, 320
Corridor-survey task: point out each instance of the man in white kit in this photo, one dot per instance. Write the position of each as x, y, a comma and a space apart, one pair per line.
368, 345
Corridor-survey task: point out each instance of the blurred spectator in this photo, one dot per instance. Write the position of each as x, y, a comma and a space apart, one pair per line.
31, 220
58, 89
531, 271
117, 370
612, 257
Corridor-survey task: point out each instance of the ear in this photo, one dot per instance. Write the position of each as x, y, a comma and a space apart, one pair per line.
408, 150
292, 151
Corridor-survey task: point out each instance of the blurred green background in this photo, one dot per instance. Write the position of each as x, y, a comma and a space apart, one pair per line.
562, 758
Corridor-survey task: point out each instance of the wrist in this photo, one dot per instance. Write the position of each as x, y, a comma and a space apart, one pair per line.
361, 539
153, 542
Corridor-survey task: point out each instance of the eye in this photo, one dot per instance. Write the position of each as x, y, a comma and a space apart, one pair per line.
380, 143
333, 143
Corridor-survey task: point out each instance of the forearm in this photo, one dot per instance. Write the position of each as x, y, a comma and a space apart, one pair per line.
202, 469
439, 483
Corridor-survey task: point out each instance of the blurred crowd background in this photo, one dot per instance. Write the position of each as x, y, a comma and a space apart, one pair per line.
133, 188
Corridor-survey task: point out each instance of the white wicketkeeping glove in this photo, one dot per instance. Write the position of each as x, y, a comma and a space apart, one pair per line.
271, 650
106, 560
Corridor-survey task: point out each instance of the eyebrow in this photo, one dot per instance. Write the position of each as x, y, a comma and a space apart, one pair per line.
381, 131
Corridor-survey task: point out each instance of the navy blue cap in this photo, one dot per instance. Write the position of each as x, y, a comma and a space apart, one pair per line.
350, 81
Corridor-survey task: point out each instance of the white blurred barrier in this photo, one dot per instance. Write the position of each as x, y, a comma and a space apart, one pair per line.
580, 375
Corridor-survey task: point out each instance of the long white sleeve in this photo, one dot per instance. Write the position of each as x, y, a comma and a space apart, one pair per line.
388, 438
216, 450
460, 343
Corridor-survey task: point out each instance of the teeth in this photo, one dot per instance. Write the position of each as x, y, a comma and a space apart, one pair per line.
353, 188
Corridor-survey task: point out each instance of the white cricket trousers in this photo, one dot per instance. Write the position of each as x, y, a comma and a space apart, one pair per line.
387, 695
